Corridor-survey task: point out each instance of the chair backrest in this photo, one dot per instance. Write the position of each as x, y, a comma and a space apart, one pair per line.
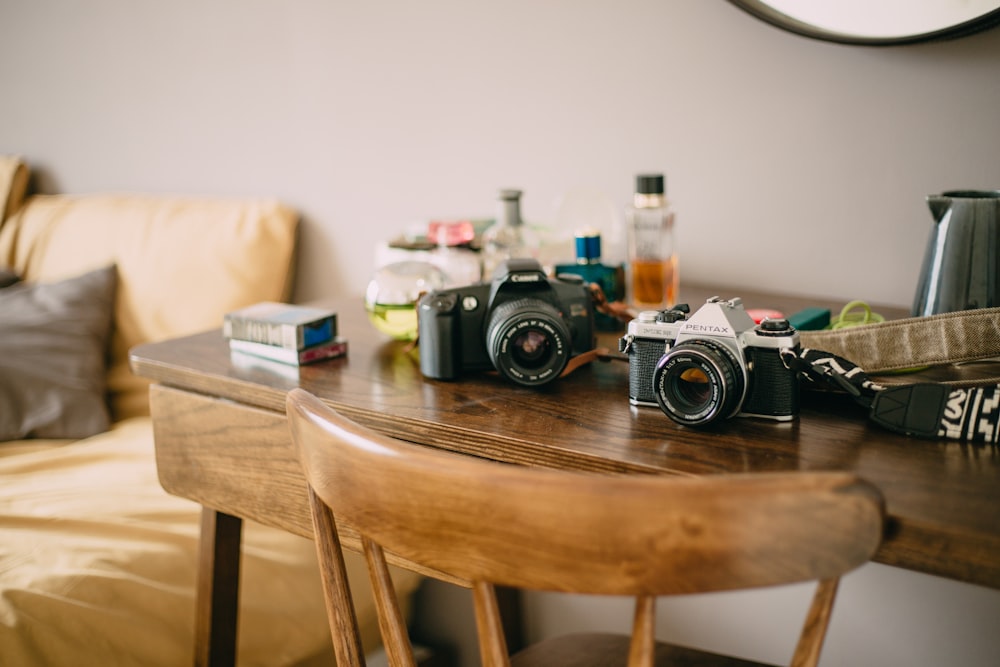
641, 535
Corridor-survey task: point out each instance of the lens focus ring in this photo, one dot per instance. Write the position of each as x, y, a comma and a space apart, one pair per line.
528, 341
698, 381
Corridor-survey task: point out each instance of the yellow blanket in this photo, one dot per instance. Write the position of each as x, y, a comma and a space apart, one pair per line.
97, 564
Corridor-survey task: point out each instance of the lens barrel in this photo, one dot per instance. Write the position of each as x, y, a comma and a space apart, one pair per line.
698, 381
528, 341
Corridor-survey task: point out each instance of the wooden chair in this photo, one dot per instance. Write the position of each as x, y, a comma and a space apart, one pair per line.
488, 524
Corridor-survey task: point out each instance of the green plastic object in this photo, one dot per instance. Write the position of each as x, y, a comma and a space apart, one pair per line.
810, 319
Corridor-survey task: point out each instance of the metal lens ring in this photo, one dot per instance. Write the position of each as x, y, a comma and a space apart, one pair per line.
698, 381
528, 341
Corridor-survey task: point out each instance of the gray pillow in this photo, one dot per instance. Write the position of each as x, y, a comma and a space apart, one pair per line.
54, 341
8, 277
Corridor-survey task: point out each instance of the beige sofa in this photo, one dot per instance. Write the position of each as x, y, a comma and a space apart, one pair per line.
97, 562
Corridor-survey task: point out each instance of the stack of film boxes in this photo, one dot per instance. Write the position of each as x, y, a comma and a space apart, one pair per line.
288, 333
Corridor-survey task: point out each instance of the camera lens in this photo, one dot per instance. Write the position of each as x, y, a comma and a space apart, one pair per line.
697, 381
692, 387
530, 349
528, 341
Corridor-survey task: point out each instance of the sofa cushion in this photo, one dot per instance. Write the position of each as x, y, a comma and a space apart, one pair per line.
183, 262
98, 565
13, 184
54, 341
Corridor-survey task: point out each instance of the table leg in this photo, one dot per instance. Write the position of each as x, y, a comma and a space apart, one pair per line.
512, 617
218, 591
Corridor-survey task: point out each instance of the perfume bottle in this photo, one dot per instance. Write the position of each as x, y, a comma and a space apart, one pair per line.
508, 237
452, 252
392, 295
653, 278
590, 267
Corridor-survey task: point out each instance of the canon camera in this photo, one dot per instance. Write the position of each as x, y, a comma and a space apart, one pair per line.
523, 324
717, 363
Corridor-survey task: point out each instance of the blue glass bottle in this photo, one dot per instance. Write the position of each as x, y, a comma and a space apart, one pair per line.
588, 266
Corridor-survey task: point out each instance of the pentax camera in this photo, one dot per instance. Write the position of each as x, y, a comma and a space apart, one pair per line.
523, 324
716, 363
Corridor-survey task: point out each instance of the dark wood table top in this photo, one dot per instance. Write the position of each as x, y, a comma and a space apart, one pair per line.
943, 497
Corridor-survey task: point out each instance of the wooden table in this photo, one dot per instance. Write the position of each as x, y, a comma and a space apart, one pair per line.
222, 440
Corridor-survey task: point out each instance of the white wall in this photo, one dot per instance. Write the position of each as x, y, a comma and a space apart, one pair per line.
884, 617
793, 164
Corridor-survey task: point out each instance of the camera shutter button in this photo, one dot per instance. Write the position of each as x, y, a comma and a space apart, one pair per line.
775, 326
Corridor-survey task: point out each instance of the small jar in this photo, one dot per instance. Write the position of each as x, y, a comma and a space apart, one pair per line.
453, 253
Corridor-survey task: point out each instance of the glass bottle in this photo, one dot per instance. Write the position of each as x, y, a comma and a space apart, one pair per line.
508, 237
653, 278
393, 292
591, 268
452, 254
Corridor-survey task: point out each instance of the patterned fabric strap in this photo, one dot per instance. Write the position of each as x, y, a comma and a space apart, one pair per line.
938, 411
967, 335
926, 410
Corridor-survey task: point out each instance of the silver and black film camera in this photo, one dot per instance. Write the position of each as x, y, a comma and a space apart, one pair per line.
523, 324
716, 363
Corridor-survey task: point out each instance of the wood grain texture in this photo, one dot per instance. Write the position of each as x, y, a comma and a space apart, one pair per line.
240, 461
943, 498
807, 651
579, 532
340, 610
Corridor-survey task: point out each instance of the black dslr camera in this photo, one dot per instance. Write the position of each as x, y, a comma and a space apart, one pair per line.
523, 324
716, 363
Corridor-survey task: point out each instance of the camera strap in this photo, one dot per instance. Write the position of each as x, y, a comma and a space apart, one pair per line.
926, 409
894, 345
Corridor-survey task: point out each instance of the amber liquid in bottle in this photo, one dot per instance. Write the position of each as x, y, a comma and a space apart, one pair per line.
653, 281
652, 272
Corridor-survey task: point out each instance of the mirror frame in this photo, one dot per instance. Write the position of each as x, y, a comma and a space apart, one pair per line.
762, 10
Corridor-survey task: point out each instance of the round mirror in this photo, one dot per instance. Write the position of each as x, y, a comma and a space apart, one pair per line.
877, 22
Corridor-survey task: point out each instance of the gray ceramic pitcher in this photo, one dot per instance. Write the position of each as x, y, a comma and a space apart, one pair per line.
960, 265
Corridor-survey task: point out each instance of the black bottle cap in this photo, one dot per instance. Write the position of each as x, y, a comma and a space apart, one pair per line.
649, 184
